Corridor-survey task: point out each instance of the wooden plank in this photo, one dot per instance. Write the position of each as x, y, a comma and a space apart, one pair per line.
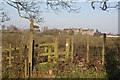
5, 50
16, 48
43, 63
8, 57
46, 44
46, 54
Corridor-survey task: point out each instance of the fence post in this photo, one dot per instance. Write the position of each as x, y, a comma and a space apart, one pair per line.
10, 59
72, 49
49, 52
67, 50
25, 68
56, 49
33, 54
88, 44
10, 56
30, 47
103, 50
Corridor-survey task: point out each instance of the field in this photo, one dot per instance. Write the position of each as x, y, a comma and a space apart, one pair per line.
79, 68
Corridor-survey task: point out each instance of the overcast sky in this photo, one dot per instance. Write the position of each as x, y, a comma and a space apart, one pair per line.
105, 21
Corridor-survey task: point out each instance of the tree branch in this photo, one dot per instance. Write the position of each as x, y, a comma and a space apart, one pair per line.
19, 12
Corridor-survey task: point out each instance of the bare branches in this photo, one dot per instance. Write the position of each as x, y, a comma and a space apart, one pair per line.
3, 15
27, 10
32, 10
104, 5
64, 5
19, 12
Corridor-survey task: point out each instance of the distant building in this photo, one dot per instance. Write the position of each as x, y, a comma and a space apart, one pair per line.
111, 35
80, 31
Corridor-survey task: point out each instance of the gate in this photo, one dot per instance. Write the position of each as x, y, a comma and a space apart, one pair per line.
52, 52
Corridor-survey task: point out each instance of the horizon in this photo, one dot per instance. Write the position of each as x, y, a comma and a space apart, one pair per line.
66, 28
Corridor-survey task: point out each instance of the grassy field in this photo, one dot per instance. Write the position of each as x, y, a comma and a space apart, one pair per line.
78, 69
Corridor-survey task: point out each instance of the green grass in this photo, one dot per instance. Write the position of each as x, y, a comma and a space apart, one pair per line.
71, 71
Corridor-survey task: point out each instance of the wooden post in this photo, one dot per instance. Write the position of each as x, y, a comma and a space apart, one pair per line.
67, 50
10, 56
25, 68
30, 47
72, 49
103, 50
46, 49
88, 42
33, 54
56, 49
10, 60
49, 52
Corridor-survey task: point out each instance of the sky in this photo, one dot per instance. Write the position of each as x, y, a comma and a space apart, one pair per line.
104, 21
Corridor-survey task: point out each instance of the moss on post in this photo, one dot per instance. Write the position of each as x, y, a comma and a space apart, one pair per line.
25, 68
56, 49
49, 52
46, 49
88, 44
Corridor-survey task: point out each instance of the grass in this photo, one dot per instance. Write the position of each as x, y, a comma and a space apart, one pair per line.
70, 71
